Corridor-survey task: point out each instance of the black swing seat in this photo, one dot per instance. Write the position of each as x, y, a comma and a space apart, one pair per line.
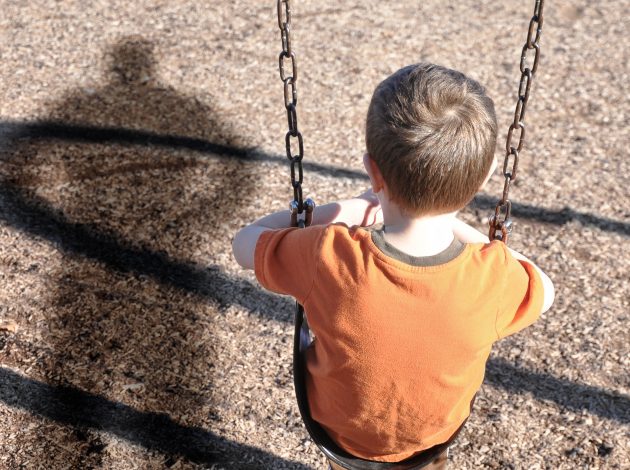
323, 441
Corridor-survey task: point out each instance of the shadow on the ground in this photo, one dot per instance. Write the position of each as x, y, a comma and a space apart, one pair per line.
153, 431
110, 327
213, 284
29, 214
567, 394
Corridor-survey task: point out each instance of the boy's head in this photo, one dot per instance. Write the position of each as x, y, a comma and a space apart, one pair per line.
431, 132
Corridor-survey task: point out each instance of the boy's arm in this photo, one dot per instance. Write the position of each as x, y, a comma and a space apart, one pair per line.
468, 234
362, 210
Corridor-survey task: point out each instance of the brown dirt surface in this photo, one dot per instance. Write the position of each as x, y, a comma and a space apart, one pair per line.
137, 137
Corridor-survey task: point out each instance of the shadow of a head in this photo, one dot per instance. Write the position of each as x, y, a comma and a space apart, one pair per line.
132, 61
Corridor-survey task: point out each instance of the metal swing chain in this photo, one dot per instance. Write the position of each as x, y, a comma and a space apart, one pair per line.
301, 335
500, 222
289, 76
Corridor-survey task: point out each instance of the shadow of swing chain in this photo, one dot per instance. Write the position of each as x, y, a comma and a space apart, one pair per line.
21, 130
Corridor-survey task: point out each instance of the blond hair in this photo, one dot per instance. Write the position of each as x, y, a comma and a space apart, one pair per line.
432, 133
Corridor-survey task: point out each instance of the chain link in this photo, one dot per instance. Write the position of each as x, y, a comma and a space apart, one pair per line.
289, 76
500, 222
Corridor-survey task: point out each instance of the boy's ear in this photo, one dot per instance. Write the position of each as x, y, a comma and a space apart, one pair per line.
490, 173
376, 177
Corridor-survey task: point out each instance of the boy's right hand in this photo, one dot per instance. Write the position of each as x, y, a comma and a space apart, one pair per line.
373, 213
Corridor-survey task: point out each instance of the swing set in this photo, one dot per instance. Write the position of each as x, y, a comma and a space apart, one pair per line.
302, 213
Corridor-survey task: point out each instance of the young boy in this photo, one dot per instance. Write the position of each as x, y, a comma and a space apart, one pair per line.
404, 300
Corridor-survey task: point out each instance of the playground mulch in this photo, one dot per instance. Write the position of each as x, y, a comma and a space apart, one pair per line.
137, 137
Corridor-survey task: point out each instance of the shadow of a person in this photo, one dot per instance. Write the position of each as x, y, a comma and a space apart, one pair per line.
125, 334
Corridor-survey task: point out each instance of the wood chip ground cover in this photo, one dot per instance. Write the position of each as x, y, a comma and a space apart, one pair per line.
137, 137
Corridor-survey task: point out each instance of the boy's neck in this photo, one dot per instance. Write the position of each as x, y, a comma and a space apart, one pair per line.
417, 236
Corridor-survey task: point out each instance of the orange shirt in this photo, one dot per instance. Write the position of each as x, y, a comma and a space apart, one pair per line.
401, 342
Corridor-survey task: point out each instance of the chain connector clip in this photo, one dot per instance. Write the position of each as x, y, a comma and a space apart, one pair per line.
302, 218
499, 230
